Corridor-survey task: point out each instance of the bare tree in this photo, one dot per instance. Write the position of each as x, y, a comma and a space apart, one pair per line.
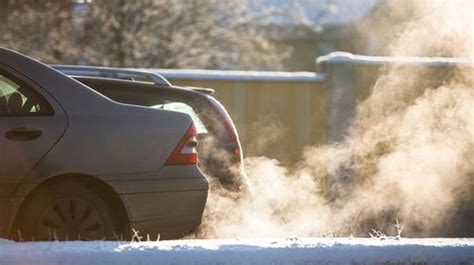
210, 34
175, 34
42, 29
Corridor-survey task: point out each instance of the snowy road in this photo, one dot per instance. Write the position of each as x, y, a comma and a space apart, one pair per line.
244, 251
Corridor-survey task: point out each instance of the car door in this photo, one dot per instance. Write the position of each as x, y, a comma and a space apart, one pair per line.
31, 122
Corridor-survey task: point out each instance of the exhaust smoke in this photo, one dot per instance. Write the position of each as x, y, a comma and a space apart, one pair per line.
409, 155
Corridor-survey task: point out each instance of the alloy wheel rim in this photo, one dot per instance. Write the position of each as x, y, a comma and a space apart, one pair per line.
70, 219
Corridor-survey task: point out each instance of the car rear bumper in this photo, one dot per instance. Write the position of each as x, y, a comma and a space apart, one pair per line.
170, 202
170, 214
167, 228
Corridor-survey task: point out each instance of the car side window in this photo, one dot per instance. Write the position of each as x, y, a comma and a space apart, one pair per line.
19, 99
184, 108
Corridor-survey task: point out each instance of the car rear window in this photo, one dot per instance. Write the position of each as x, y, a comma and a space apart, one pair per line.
184, 108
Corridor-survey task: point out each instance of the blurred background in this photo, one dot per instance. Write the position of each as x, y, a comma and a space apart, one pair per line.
276, 117
206, 34
266, 60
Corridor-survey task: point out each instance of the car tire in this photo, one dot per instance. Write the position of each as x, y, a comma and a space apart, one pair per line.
67, 211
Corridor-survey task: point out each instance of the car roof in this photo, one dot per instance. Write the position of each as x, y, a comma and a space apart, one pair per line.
76, 98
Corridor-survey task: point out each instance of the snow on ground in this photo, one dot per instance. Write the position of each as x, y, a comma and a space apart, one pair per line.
244, 251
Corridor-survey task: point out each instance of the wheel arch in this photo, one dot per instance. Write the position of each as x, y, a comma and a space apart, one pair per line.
106, 191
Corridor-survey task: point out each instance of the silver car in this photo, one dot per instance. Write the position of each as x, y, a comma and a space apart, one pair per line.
77, 165
220, 152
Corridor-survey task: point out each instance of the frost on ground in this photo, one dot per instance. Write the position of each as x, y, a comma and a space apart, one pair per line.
245, 251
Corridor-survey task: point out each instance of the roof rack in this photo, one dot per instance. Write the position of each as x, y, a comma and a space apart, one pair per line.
110, 72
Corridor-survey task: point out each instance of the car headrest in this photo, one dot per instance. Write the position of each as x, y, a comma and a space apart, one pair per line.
3, 103
15, 103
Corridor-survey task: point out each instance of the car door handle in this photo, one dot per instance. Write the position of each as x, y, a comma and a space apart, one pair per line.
23, 134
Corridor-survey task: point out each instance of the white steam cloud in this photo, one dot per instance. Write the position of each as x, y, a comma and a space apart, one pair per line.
409, 154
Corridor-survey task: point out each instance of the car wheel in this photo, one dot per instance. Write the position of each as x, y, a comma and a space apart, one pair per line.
67, 211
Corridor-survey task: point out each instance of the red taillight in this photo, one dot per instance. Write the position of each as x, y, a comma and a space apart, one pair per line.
229, 126
236, 151
231, 131
185, 152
